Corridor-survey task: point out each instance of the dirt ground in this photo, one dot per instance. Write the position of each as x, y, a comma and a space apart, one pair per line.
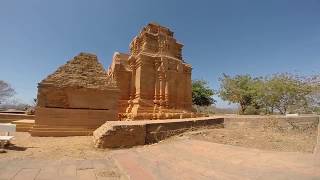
78, 147
265, 139
81, 147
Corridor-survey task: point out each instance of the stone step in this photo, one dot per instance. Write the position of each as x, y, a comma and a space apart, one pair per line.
23, 125
23, 128
3, 120
60, 129
60, 133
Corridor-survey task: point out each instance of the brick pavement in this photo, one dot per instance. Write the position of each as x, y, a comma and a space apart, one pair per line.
178, 159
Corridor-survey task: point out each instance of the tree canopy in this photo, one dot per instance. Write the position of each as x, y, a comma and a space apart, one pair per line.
281, 92
239, 89
6, 91
201, 93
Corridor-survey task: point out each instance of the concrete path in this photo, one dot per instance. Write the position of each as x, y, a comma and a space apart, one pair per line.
193, 159
172, 159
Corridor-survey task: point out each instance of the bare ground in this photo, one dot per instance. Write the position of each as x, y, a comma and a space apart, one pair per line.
78, 147
65, 156
265, 139
81, 147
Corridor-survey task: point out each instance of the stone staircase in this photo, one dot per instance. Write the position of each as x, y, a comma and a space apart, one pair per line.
9, 117
60, 131
23, 125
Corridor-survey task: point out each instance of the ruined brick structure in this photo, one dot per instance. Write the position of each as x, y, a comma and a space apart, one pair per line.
154, 80
76, 99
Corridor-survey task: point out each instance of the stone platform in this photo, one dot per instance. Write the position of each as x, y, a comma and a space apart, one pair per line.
9, 117
116, 134
69, 122
23, 125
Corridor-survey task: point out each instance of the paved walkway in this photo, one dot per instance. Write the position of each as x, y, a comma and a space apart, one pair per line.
181, 159
193, 159
29, 169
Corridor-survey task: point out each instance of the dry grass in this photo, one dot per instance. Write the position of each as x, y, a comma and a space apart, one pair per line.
265, 139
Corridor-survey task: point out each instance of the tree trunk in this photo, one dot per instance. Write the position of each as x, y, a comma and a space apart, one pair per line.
242, 108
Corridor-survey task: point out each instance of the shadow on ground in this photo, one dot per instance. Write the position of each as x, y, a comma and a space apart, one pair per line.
13, 147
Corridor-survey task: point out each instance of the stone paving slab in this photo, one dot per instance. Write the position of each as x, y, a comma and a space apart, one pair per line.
179, 159
48, 173
27, 173
25, 169
194, 159
86, 174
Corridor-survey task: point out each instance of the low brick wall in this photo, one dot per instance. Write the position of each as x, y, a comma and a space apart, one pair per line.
119, 134
157, 131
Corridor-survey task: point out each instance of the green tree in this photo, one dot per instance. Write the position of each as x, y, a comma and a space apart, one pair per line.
201, 93
5, 91
265, 97
285, 91
282, 92
239, 89
314, 98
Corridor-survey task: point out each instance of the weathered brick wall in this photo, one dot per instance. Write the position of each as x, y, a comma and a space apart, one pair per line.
132, 133
76, 99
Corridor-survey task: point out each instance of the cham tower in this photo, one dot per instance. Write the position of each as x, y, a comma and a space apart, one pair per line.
76, 99
154, 80
151, 82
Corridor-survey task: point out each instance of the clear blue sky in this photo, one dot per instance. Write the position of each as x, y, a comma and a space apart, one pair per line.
230, 36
